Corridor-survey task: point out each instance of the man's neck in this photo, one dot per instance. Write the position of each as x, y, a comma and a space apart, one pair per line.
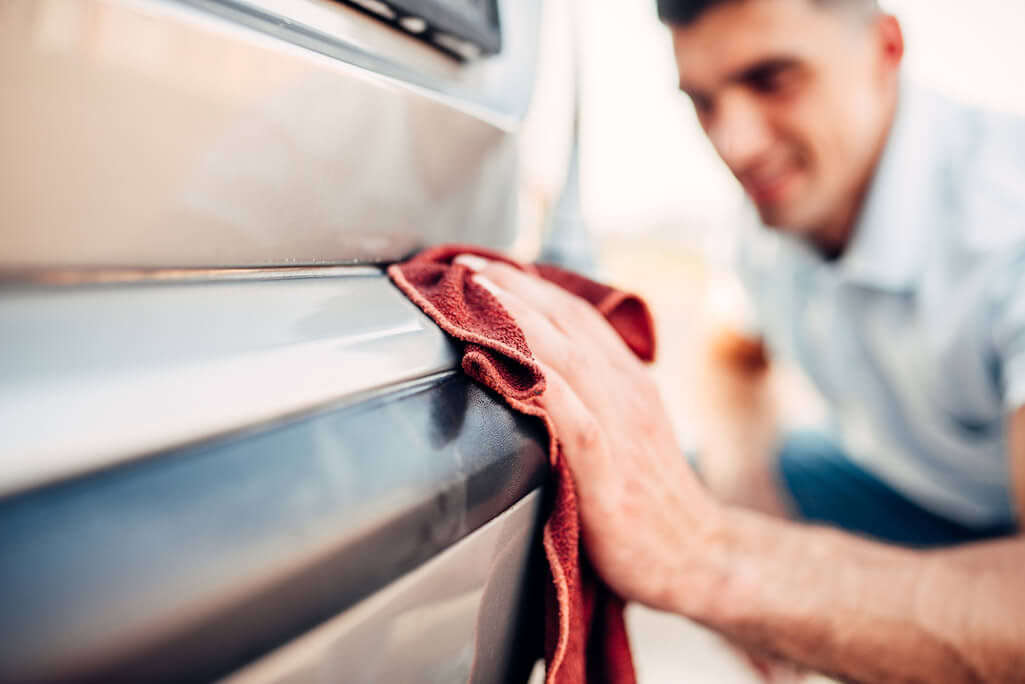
832, 239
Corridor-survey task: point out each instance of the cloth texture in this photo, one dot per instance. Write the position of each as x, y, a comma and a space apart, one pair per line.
585, 637
915, 335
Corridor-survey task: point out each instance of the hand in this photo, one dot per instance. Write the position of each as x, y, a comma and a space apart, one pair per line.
645, 518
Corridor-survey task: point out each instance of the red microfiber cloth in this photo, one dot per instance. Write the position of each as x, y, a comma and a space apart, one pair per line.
585, 636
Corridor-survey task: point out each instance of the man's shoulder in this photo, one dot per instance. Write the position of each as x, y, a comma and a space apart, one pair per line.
982, 186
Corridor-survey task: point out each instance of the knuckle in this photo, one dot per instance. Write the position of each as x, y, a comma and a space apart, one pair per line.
642, 385
574, 361
501, 274
648, 392
575, 311
644, 405
589, 436
644, 419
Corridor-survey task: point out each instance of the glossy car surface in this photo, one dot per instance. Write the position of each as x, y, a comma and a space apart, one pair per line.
232, 449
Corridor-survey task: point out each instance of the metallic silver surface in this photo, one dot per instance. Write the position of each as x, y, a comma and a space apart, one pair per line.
501, 84
452, 620
93, 376
105, 276
187, 190
162, 134
190, 564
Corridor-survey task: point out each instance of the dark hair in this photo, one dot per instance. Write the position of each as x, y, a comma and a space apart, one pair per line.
683, 12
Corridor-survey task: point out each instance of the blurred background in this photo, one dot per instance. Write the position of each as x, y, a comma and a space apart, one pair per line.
663, 210
662, 207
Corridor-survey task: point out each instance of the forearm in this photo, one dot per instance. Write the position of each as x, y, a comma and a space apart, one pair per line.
999, 555
858, 609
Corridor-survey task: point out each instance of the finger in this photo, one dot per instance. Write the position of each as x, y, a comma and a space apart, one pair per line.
571, 314
575, 317
587, 371
584, 445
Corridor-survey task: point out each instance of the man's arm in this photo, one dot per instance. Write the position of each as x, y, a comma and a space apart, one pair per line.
822, 598
867, 611
873, 612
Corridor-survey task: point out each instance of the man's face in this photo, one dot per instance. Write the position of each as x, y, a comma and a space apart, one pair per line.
795, 98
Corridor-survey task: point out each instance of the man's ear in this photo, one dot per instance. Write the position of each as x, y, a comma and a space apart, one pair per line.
891, 40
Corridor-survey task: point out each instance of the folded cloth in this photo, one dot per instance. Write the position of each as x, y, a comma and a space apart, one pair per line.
585, 636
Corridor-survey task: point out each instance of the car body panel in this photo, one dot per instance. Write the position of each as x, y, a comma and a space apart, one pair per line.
188, 564
189, 361
166, 134
232, 448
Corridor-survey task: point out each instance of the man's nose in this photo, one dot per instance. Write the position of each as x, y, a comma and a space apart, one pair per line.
739, 131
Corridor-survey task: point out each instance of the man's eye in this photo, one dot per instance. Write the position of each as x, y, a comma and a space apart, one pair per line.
770, 80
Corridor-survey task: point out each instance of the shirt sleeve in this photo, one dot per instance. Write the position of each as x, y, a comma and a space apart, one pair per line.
1009, 333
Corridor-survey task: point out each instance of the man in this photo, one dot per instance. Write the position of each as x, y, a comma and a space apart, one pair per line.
891, 268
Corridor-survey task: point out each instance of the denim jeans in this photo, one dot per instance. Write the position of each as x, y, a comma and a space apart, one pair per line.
826, 487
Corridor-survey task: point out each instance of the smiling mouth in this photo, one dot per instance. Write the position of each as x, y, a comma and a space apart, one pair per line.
766, 188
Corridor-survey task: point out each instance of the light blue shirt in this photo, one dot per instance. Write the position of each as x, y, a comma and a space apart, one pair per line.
916, 335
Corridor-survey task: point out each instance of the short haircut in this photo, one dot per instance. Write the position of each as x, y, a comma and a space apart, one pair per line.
683, 12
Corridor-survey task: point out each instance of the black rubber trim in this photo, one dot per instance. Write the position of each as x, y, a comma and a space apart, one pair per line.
474, 21
188, 565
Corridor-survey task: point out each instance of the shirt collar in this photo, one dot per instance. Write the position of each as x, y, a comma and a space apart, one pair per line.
890, 236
